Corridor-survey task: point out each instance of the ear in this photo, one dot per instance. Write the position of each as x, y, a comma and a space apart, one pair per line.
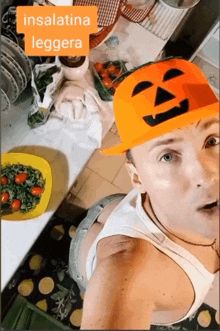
135, 179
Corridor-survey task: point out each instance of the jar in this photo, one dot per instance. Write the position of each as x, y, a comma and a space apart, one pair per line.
74, 67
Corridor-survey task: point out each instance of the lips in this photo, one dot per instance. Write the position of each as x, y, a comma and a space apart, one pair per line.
209, 207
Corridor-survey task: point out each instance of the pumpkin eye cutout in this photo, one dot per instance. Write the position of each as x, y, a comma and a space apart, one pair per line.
172, 73
141, 87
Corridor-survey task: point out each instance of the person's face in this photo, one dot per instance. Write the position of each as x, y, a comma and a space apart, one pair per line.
180, 173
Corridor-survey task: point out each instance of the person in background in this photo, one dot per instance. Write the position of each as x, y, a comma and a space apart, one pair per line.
152, 256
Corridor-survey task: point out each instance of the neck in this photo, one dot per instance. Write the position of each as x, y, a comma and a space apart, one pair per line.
207, 254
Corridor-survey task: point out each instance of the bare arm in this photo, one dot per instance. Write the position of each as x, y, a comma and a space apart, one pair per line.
113, 300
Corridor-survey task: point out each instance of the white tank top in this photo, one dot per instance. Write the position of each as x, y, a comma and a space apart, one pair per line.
130, 219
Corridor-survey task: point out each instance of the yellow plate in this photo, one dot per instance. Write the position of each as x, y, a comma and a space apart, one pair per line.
37, 163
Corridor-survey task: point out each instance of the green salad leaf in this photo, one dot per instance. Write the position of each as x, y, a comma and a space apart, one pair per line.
22, 191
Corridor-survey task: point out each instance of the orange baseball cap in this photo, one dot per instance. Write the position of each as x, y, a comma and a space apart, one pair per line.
159, 98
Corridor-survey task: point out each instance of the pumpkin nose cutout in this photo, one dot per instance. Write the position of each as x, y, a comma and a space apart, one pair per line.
162, 96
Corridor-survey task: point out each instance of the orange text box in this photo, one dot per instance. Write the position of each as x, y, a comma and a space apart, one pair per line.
57, 31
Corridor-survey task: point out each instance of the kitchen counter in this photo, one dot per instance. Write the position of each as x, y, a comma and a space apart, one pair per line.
66, 164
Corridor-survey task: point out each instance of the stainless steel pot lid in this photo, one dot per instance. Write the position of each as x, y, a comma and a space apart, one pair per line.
181, 4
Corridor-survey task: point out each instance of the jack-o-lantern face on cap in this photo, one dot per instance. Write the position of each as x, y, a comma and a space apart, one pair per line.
162, 97
159, 98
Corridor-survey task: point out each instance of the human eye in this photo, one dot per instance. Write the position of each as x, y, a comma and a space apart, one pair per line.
212, 141
169, 157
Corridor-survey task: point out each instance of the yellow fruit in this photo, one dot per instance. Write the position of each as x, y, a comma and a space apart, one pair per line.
204, 318
76, 317
46, 285
35, 262
42, 304
217, 317
26, 287
72, 231
57, 232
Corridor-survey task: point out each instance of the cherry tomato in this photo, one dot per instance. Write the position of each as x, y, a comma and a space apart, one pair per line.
4, 197
21, 178
36, 190
98, 66
16, 204
4, 180
112, 68
117, 72
104, 73
107, 82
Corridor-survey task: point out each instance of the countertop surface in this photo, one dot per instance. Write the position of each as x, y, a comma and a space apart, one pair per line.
66, 163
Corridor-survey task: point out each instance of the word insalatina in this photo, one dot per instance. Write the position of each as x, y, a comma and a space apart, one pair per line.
54, 20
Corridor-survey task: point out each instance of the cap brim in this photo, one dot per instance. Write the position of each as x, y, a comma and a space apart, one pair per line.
183, 120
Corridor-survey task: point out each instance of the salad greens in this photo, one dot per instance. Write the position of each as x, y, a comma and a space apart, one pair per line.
22, 191
37, 117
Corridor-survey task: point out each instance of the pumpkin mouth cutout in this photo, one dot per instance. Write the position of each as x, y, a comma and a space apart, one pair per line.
173, 112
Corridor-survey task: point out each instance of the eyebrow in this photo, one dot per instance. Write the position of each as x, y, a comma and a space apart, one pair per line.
166, 142
207, 124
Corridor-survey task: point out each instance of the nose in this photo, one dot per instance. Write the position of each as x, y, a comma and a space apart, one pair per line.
162, 96
203, 171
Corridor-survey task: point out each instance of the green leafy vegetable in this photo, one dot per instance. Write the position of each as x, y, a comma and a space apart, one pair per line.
22, 191
37, 117
44, 79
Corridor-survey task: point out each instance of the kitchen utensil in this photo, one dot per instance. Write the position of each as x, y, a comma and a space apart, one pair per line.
5, 102
12, 69
43, 166
181, 4
9, 85
24, 78
17, 53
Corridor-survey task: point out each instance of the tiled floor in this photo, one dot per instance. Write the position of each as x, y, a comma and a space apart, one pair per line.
104, 175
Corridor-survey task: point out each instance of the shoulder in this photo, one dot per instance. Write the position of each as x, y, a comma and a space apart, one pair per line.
111, 245
119, 302
118, 244
131, 258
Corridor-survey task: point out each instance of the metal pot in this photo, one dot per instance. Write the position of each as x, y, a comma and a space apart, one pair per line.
181, 4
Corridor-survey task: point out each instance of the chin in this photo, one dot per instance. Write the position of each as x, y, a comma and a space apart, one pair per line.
208, 226
199, 229
211, 219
